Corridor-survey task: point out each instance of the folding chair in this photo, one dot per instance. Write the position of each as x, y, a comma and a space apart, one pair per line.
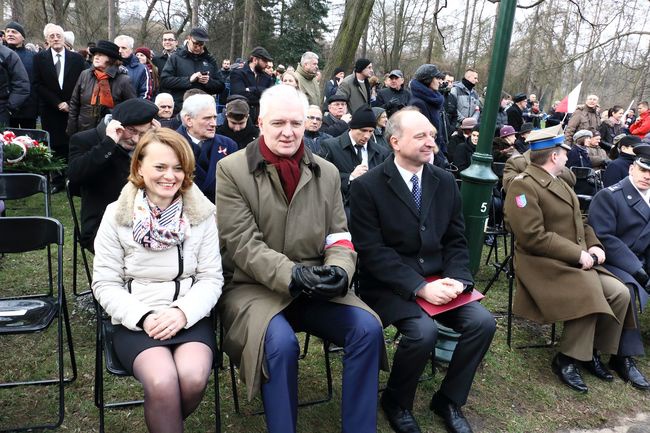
14, 186
72, 192
105, 353
31, 313
587, 185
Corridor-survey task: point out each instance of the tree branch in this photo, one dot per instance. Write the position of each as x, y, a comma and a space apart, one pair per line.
531, 5
435, 20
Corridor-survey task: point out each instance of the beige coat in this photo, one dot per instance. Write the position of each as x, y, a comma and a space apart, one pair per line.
550, 234
262, 237
309, 86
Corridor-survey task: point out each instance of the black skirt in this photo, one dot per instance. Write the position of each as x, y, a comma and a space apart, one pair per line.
128, 344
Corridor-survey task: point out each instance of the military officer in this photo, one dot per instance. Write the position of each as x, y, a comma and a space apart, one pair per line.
620, 216
551, 239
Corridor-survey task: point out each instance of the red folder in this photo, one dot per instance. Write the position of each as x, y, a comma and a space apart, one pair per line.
460, 300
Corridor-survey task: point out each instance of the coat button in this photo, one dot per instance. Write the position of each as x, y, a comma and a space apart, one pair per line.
423, 228
421, 260
579, 239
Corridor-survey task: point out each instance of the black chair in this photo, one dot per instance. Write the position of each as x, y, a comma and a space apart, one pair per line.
105, 354
328, 374
71, 193
14, 186
588, 183
31, 313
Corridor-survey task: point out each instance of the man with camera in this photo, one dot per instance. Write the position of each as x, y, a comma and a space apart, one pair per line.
620, 216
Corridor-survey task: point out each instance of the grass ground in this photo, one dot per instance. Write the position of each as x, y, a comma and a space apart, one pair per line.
514, 390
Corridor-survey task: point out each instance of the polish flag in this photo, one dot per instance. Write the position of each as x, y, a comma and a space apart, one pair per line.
570, 102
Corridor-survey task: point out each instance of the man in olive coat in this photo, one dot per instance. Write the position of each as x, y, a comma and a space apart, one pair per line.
556, 261
288, 258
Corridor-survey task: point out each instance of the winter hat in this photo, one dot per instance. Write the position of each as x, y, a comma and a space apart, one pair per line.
337, 71
16, 26
361, 64
519, 97
428, 72
108, 48
506, 131
468, 123
363, 118
135, 111
582, 133
144, 50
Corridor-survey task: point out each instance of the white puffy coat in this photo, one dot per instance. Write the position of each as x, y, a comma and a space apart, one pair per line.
130, 280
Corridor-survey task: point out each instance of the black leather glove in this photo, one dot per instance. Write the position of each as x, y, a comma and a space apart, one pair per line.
641, 277
320, 282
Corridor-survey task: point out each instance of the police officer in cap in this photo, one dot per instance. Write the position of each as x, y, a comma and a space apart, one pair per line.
620, 216
559, 277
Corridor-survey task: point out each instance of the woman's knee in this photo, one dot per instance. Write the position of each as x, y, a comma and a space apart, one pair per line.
161, 384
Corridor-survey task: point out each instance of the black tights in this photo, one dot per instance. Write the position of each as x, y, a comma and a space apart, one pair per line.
174, 382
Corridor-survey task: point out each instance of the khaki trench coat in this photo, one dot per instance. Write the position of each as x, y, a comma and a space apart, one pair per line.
550, 234
262, 237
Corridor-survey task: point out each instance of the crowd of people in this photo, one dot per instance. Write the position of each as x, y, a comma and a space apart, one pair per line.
245, 191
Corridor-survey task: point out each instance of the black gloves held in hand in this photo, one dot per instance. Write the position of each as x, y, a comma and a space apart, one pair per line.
642, 278
319, 282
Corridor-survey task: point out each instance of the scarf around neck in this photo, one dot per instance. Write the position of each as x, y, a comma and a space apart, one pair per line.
288, 168
155, 228
102, 90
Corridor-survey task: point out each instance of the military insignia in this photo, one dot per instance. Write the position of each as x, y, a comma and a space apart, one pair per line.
520, 200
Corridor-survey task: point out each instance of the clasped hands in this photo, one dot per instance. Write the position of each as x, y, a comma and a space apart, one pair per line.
164, 324
442, 291
587, 258
319, 282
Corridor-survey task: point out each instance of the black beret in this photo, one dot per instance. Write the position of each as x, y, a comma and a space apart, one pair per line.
363, 118
336, 97
630, 140
135, 111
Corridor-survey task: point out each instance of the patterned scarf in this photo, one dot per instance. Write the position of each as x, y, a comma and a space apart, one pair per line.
158, 229
102, 90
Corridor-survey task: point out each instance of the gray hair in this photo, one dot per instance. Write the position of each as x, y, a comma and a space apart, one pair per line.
127, 39
307, 57
51, 28
314, 107
193, 105
394, 125
160, 96
281, 92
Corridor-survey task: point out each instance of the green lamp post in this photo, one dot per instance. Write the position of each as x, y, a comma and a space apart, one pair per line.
478, 179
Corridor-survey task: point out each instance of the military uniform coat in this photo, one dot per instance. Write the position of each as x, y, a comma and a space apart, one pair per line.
544, 214
263, 237
621, 220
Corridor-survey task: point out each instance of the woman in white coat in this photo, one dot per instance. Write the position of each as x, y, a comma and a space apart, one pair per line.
157, 273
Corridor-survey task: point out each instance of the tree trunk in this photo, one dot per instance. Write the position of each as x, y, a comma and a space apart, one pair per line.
111, 20
195, 13
468, 36
425, 18
355, 21
143, 26
433, 34
461, 54
233, 32
18, 10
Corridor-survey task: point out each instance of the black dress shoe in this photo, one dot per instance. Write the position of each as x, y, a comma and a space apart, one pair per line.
598, 369
454, 419
401, 420
626, 369
566, 369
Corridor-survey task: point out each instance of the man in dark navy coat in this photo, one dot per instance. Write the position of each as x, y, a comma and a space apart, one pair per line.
620, 216
407, 224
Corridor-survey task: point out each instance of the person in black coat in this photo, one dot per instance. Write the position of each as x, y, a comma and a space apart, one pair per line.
238, 126
426, 97
192, 67
251, 80
354, 153
619, 168
407, 225
462, 157
15, 40
14, 84
336, 119
55, 89
620, 217
516, 110
100, 158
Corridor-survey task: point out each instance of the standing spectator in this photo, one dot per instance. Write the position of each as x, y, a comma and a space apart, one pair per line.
68, 40
251, 80
169, 44
238, 126
465, 100
290, 79
426, 97
225, 75
56, 71
516, 111
199, 116
394, 96
191, 67
99, 88
335, 121
380, 129
611, 127
165, 104
139, 73
641, 127
533, 114
332, 85
15, 40
585, 117
314, 137
307, 81
14, 84
356, 86
144, 55
502, 117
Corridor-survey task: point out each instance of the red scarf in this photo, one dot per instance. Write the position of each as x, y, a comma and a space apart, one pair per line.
288, 168
102, 90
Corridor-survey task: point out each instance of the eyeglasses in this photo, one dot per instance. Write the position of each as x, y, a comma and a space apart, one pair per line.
166, 106
317, 119
197, 43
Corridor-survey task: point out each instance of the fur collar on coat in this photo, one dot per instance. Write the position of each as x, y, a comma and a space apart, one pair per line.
196, 206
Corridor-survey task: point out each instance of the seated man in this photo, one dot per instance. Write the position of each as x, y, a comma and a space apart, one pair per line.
100, 159
407, 225
165, 103
620, 215
199, 115
335, 121
238, 126
288, 260
314, 137
558, 278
